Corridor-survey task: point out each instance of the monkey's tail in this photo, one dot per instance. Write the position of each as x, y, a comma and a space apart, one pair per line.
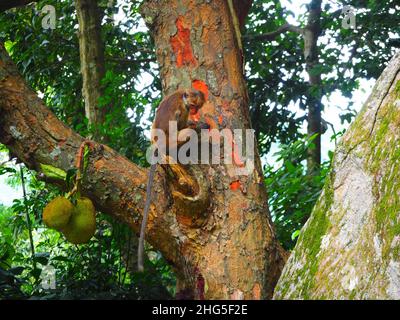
145, 216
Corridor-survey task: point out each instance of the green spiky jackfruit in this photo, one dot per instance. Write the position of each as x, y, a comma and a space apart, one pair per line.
82, 224
57, 213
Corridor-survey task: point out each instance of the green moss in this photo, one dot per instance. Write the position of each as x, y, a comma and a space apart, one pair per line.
397, 88
310, 240
352, 295
383, 162
396, 253
380, 150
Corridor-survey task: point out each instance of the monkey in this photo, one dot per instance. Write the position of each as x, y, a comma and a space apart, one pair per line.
175, 107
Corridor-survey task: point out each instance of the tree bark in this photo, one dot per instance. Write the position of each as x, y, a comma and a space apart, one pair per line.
311, 34
91, 49
246, 257
218, 237
349, 248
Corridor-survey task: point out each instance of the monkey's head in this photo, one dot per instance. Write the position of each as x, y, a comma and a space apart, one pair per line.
193, 100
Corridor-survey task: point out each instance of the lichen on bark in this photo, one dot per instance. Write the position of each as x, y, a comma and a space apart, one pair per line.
349, 248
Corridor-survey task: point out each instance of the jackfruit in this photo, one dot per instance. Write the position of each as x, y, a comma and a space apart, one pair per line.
57, 213
82, 224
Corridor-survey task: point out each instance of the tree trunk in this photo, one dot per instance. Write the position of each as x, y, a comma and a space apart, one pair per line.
91, 51
218, 236
350, 246
234, 253
311, 34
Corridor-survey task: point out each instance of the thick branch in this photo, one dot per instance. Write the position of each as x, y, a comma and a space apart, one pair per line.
9, 4
272, 35
130, 62
116, 185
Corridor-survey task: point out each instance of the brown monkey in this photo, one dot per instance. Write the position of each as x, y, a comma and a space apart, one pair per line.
175, 107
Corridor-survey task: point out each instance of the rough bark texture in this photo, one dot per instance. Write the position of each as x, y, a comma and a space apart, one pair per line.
218, 236
233, 254
91, 51
350, 246
311, 34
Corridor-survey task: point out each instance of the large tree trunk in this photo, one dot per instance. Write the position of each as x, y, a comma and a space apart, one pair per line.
234, 253
219, 236
350, 246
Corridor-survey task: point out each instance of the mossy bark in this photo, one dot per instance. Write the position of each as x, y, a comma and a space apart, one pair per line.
350, 247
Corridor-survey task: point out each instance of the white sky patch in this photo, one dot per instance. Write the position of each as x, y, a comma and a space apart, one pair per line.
7, 193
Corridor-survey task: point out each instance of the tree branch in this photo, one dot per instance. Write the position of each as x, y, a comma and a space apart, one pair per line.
116, 185
132, 62
272, 35
9, 4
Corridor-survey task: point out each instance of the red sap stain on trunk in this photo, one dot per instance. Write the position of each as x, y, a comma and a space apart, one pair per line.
235, 185
201, 86
181, 46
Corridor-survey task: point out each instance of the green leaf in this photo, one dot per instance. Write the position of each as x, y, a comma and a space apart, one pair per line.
85, 159
295, 234
16, 271
53, 172
42, 257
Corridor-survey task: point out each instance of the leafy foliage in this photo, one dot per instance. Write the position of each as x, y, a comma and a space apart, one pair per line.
49, 60
102, 269
275, 69
291, 192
